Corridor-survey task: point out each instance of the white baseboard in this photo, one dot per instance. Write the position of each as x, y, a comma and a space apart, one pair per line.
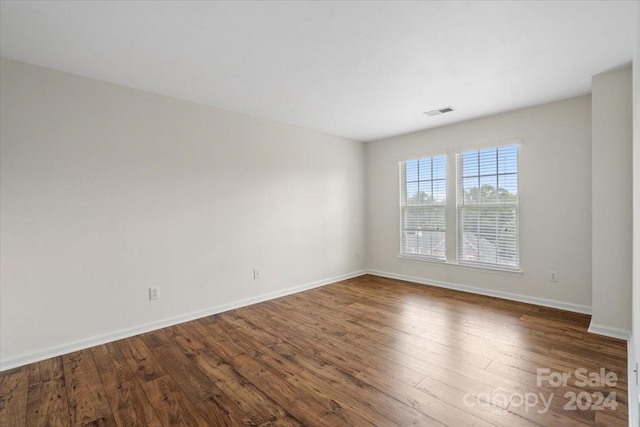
58, 350
481, 291
609, 331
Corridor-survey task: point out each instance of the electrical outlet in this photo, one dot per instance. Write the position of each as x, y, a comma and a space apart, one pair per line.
553, 276
154, 293
256, 273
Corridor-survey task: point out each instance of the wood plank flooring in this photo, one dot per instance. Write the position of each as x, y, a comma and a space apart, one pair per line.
368, 351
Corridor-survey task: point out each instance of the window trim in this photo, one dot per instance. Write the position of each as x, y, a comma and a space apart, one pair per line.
450, 264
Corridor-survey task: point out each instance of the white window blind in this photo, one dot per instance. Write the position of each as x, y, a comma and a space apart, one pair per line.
423, 200
488, 207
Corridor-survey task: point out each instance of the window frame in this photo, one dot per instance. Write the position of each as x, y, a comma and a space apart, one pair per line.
460, 205
403, 205
453, 225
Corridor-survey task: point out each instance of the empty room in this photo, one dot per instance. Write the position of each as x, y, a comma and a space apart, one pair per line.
319, 213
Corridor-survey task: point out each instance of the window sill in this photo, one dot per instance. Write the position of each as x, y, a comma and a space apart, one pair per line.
488, 269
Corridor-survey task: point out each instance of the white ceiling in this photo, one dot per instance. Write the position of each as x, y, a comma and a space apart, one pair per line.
361, 70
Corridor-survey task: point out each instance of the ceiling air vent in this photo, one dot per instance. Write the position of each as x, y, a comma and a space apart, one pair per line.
439, 111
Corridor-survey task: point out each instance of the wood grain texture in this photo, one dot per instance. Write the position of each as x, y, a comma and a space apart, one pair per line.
87, 400
127, 399
47, 403
14, 387
368, 351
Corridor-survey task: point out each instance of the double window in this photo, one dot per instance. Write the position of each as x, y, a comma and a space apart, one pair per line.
485, 219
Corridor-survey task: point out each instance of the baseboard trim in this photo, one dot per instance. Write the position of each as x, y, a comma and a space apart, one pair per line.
609, 331
585, 309
46, 353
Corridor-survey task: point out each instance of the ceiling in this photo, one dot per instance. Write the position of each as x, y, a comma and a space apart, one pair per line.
361, 70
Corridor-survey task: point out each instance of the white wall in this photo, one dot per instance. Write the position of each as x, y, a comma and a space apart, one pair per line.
555, 207
107, 191
634, 348
611, 200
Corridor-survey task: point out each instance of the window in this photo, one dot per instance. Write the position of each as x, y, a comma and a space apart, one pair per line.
423, 201
479, 219
488, 207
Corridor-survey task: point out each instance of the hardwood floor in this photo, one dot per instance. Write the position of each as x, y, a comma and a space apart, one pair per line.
366, 351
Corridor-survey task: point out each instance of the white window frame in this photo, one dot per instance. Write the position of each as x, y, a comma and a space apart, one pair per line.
460, 206
452, 223
404, 205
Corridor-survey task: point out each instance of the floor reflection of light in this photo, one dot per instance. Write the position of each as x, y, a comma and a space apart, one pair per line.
456, 338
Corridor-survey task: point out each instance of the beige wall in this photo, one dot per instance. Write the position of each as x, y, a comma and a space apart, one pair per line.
107, 191
555, 209
611, 200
